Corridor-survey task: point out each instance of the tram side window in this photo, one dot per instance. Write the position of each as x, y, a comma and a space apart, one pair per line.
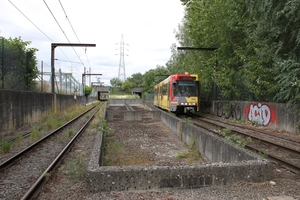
164, 89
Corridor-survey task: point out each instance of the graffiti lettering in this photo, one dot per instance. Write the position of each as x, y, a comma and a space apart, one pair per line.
260, 113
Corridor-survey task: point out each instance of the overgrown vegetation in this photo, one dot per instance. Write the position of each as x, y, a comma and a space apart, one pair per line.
263, 154
237, 139
19, 140
77, 168
192, 154
51, 121
5, 146
35, 134
188, 120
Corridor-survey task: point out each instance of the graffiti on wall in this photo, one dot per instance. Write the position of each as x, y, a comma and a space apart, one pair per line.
261, 113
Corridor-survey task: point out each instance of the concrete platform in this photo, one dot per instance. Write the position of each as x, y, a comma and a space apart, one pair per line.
225, 163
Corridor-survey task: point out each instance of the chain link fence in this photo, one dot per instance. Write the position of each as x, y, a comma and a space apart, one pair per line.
64, 83
19, 70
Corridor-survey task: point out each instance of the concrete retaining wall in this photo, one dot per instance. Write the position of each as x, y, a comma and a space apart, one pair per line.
129, 114
18, 108
185, 176
273, 115
211, 147
226, 164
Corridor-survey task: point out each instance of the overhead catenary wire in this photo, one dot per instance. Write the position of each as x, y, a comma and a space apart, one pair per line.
36, 26
62, 31
73, 30
30, 20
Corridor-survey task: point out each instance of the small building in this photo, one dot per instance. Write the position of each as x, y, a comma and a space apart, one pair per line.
137, 91
103, 92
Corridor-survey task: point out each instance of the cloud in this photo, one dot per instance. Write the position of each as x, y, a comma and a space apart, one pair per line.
147, 28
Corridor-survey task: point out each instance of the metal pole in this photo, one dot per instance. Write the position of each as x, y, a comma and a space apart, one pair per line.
53, 46
27, 70
42, 81
2, 63
52, 68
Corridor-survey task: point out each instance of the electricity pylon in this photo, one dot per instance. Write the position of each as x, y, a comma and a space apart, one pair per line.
122, 62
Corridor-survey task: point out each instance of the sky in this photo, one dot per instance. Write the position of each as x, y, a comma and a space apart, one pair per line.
147, 29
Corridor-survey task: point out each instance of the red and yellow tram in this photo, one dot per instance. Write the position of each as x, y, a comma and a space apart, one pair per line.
179, 93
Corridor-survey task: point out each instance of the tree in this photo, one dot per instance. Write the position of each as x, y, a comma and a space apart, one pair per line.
221, 25
87, 90
274, 48
19, 64
127, 86
153, 77
115, 82
136, 80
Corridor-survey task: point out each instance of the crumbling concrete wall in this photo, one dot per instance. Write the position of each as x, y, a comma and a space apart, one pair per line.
226, 164
128, 178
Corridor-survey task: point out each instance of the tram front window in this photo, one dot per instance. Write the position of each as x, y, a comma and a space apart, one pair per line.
185, 88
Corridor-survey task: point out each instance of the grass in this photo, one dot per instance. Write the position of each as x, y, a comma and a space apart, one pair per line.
254, 123
35, 134
70, 133
124, 96
188, 120
262, 154
53, 120
226, 133
115, 152
77, 167
19, 140
192, 154
5, 146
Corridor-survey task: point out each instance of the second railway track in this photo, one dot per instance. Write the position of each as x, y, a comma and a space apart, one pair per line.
20, 174
279, 148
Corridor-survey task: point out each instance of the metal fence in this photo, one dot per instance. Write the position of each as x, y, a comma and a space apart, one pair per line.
65, 83
14, 62
19, 70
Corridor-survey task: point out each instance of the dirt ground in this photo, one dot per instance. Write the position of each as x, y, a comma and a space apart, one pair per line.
148, 143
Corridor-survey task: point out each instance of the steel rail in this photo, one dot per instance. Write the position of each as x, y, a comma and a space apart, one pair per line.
290, 147
35, 188
286, 163
12, 159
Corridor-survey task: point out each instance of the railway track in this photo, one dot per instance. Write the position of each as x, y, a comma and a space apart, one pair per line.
23, 175
279, 148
